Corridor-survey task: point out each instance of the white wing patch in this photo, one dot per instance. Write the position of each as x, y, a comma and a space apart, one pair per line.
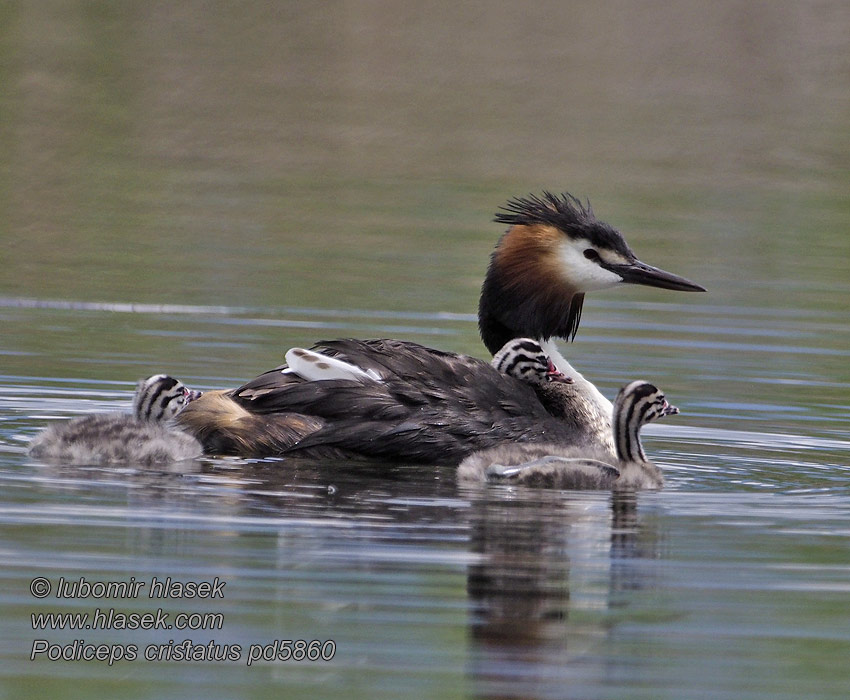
314, 367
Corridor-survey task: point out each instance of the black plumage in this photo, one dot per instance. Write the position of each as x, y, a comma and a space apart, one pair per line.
430, 406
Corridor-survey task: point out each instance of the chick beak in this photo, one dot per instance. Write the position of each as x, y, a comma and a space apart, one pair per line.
553, 374
669, 409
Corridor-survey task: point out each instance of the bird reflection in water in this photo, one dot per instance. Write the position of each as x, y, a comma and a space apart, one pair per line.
552, 568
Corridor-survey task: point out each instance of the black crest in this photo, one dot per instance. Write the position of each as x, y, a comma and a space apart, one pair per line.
557, 210
567, 214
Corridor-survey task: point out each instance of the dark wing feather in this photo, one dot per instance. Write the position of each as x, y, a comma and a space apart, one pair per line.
431, 406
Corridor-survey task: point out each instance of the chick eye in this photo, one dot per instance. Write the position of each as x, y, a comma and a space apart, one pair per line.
591, 254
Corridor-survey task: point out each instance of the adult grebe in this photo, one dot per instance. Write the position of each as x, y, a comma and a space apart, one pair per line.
573, 467
416, 404
146, 437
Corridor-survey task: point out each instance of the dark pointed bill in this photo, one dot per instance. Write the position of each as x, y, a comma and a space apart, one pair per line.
649, 276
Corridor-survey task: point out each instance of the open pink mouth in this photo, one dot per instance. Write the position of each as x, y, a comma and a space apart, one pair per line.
555, 375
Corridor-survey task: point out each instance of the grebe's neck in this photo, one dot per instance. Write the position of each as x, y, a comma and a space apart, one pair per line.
629, 416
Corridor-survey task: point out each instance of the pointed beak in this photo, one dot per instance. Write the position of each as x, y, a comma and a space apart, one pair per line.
669, 410
640, 273
559, 377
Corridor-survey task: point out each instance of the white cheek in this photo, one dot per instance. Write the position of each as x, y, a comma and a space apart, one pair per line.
582, 273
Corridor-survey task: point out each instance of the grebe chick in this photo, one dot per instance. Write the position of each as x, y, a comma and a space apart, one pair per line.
573, 399
570, 467
404, 402
144, 437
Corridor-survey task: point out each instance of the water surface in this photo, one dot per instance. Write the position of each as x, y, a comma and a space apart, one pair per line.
197, 189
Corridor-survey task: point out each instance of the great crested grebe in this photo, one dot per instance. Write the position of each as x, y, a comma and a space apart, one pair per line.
415, 404
572, 467
147, 436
